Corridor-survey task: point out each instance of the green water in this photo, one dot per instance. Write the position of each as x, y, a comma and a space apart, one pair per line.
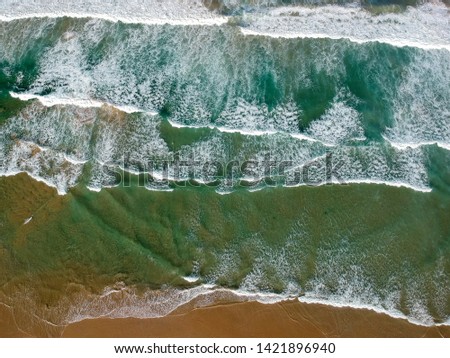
214, 102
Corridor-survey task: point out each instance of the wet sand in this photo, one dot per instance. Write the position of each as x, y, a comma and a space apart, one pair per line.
8, 325
253, 319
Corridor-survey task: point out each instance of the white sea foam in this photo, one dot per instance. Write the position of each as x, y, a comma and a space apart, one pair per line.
120, 301
421, 111
404, 146
57, 142
113, 81
191, 278
366, 181
153, 12
311, 299
94, 189
44, 166
396, 43
425, 27
339, 279
247, 132
252, 118
125, 303
388, 183
27, 220
151, 188
339, 124
74, 161
52, 100
222, 191
117, 18
446, 323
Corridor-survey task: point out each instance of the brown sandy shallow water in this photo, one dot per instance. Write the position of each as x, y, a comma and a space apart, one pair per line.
224, 318
245, 319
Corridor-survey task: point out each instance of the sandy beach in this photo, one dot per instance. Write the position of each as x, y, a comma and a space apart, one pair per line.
253, 319
225, 318
245, 319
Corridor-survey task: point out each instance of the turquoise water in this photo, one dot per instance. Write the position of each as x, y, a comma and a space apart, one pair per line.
279, 161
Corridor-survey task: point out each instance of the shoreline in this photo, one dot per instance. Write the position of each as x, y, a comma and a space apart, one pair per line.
284, 319
234, 319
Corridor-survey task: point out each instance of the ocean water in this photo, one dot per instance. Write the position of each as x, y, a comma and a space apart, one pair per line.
268, 148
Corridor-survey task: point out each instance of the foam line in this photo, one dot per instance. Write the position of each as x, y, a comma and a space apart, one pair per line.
138, 307
396, 43
364, 181
35, 177
152, 12
159, 176
126, 20
50, 101
426, 27
248, 132
404, 146
74, 161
